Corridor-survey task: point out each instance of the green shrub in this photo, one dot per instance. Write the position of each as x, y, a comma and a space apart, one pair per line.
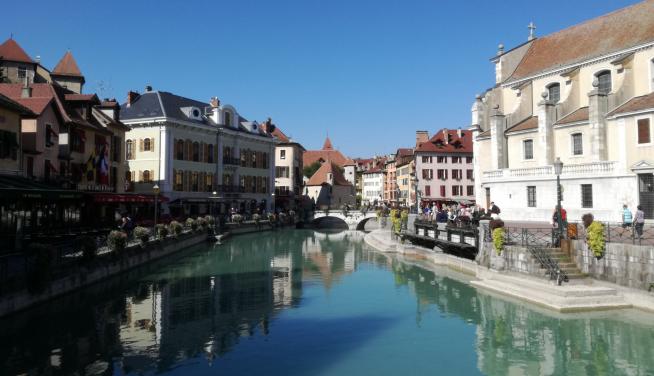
202, 223
162, 230
192, 223
142, 233
117, 241
39, 259
595, 239
256, 218
498, 239
210, 220
237, 218
176, 228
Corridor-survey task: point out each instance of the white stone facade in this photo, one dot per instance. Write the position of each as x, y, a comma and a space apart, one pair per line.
373, 187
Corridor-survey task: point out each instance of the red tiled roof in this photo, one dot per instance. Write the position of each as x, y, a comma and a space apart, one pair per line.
643, 102
38, 91
373, 170
10, 50
36, 105
320, 176
454, 144
527, 124
404, 152
111, 103
15, 106
67, 66
277, 133
619, 30
311, 156
81, 97
580, 114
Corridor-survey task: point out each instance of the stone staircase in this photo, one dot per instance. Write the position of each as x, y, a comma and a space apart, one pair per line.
566, 264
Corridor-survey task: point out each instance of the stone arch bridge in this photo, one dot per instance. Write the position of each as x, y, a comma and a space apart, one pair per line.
355, 220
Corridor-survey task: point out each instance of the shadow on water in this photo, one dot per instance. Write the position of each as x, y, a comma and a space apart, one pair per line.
236, 308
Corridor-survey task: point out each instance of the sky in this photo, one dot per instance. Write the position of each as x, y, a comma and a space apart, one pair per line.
368, 73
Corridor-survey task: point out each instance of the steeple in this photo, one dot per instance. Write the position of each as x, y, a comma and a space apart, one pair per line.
12, 51
68, 74
328, 144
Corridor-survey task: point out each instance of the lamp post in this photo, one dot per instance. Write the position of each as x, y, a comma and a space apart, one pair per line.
155, 189
214, 196
272, 204
558, 167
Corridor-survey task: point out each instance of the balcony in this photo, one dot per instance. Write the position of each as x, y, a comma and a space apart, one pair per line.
230, 188
546, 172
231, 161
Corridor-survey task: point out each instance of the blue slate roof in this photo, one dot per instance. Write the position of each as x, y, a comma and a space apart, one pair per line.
160, 104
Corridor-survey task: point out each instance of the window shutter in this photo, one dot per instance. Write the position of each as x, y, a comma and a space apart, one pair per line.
140, 175
152, 144
140, 144
152, 175
189, 150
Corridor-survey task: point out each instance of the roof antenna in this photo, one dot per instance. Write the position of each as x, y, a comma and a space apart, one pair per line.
531, 28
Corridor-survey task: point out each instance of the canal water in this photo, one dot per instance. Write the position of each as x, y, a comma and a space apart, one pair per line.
299, 302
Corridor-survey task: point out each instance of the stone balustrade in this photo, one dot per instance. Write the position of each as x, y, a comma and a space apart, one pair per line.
591, 168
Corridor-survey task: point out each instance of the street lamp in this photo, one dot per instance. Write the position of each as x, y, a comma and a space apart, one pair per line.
558, 167
214, 196
155, 189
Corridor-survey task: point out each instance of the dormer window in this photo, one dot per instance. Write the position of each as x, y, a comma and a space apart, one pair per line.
228, 118
22, 71
196, 113
554, 93
604, 81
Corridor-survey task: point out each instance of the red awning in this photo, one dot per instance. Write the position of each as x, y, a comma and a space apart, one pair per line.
117, 197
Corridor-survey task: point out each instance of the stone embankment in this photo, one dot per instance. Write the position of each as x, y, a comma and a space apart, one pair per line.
579, 295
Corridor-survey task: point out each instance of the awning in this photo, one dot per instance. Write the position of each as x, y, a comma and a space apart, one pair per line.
126, 198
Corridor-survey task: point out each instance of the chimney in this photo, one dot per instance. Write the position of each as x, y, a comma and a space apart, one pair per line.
421, 137
446, 136
459, 133
500, 49
214, 102
26, 92
148, 88
131, 97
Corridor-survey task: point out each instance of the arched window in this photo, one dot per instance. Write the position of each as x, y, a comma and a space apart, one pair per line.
147, 145
196, 152
554, 93
129, 150
228, 118
146, 176
210, 153
577, 144
604, 80
180, 150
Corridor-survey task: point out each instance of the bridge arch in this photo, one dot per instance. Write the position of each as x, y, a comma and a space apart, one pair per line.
354, 220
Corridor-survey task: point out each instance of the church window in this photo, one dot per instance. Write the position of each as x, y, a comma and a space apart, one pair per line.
554, 92
528, 149
604, 81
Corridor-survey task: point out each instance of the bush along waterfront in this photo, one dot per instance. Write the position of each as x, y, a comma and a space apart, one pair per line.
499, 234
594, 235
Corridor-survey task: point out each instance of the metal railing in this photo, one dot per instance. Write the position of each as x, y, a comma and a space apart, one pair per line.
615, 232
551, 266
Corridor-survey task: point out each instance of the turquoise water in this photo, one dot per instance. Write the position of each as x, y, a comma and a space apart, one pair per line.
298, 302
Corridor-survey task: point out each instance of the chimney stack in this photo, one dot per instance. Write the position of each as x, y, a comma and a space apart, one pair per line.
131, 97
421, 137
148, 88
446, 136
214, 102
459, 132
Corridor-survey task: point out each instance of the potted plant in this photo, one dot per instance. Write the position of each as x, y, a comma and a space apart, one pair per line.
192, 223
117, 241
256, 218
162, 230
142, 233
594, 235
176, 228
237, 218
202, 223
210, 220
498, 234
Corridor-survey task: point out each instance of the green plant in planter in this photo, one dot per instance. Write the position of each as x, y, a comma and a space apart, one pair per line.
404, 216
202, 223
176, 228
498, 239
39, 259
192, 223
594, 235
256, 218
142, 233
117, 241
210, 220
88, 246
271, 218
162, 230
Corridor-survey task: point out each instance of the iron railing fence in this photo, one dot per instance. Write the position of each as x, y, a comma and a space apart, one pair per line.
615, 232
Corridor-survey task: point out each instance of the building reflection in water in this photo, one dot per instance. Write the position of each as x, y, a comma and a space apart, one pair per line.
202, 305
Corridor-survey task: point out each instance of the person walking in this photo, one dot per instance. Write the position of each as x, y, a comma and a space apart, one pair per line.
494, 210
627, 218
639, 221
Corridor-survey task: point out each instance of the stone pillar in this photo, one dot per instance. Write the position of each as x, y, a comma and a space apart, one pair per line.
597, 109
546, 117
498, 139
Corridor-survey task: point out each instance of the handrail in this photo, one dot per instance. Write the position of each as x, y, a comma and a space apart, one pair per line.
553, 269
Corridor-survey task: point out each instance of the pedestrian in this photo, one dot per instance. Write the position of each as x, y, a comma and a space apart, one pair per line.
494, 210
555, 217
627, 218
639, 221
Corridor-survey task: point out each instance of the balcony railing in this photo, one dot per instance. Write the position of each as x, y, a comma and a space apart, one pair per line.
231, 161
591, 168
230, 188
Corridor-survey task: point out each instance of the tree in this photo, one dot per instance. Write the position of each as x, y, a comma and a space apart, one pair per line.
311, 169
